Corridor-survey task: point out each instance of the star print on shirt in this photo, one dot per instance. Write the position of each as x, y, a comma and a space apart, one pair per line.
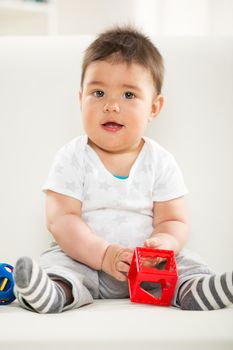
136, 185
146, 168
148, 194
87, 196
71, 186
88, 169
59, 169
104, 186
75, 162
120, 219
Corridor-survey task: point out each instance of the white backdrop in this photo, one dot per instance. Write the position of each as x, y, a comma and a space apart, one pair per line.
39, 112
156, 17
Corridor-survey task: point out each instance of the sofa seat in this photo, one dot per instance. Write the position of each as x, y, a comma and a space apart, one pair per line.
116, 324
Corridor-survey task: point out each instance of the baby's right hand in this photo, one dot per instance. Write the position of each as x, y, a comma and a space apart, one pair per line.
116, 261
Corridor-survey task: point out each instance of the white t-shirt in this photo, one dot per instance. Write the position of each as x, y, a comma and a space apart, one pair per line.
120, 211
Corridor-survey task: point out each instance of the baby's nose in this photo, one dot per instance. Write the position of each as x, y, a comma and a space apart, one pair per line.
111, 107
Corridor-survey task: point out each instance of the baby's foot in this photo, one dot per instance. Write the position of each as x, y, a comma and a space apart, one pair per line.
207, 292
34, 289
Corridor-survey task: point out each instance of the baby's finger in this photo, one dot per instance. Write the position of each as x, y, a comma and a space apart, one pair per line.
152, 243
126, 257
122, 267
152, 262
120, 276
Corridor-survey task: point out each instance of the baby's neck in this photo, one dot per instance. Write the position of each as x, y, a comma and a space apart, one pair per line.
118, 162
135, 148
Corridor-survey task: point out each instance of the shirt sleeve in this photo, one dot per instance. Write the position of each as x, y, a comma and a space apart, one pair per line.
66, 173
169, 183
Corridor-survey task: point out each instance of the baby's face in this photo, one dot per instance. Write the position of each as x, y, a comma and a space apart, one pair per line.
117, 101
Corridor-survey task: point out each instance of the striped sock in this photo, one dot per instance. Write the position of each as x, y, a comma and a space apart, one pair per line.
207, 292
35, 290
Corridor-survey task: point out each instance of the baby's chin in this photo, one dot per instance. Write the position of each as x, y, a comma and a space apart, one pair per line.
108, 148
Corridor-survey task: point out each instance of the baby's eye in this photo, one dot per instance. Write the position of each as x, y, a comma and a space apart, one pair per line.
98, 93
129, 95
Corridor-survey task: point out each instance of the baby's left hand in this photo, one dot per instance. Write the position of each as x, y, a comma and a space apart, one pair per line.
160, 241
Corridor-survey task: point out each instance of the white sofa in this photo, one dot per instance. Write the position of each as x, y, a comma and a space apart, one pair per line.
39, 112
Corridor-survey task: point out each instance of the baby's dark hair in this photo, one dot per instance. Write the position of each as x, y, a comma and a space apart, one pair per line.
126, 44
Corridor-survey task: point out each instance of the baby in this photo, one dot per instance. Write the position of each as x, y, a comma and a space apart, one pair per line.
113, 189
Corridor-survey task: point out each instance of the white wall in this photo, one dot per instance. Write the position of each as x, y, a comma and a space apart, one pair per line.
155, 17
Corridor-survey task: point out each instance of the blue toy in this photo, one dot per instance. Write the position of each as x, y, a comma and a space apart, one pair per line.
6, 284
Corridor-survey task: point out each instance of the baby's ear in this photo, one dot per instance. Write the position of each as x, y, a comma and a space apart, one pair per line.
157, 106
80, 93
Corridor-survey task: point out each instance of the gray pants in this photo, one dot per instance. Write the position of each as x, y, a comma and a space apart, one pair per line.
88, 284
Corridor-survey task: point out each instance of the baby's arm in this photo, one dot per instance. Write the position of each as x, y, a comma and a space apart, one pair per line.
76, 239
170, 225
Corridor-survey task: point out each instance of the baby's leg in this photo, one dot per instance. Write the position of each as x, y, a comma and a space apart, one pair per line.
57, 284
199, 288
35, 289
111, 288
210, 292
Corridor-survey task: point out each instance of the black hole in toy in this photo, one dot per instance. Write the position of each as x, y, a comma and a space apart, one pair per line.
153, 288
156, 263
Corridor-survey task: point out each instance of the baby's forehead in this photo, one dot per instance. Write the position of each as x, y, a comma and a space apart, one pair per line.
117, 68
118, 72
104, 74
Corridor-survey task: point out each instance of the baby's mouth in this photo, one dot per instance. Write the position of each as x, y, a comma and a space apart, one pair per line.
112, 126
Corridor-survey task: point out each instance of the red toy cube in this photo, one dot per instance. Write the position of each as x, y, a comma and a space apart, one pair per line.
142, 270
